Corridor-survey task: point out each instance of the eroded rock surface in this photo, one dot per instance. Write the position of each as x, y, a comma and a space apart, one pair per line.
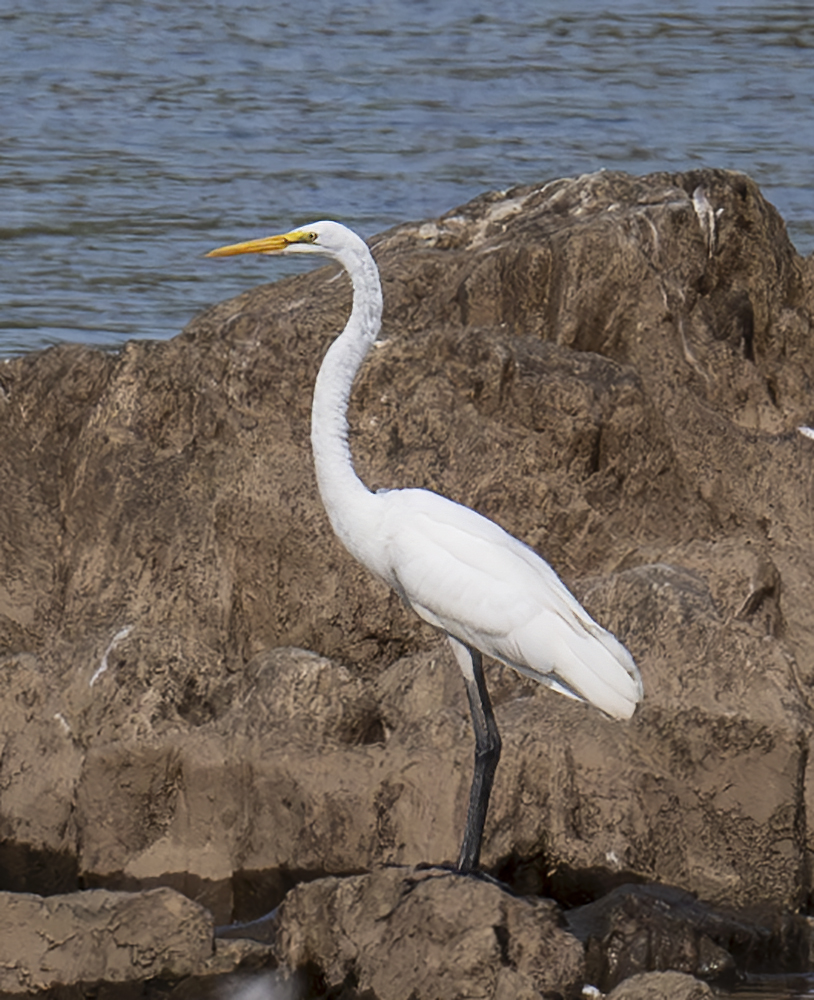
662, 986
100, 936
428, 934
201, 689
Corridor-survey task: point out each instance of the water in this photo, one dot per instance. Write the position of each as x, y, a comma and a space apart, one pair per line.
137, 134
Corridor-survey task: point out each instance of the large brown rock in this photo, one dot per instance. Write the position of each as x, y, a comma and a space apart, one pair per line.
583, 361
403, 934
100, 936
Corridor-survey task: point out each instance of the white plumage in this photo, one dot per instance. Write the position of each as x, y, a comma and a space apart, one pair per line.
458, 570
467, 576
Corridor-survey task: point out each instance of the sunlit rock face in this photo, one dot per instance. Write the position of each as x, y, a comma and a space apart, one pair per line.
201, 689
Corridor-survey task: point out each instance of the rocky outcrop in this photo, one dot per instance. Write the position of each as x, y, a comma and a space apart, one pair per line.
201, 689
428, 934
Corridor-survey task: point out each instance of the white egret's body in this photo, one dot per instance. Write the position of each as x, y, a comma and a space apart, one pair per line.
458, 570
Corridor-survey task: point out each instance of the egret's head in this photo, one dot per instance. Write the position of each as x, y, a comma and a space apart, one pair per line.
329, 238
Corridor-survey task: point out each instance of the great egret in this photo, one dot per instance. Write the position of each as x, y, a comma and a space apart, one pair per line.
457, 570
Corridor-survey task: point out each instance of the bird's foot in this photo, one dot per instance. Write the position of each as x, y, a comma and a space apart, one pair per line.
447, 868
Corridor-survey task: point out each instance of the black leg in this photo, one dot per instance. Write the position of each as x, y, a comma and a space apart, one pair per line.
487, 754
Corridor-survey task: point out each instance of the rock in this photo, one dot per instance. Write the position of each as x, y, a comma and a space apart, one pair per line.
645, 928
427, 934
202, 689
230, 955
662, 986
40, 766
99, 936
723, 708
240, 795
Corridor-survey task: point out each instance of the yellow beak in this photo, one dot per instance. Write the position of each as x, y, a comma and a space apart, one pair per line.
267, 244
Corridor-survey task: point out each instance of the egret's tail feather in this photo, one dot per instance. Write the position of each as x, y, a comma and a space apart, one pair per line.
592, 664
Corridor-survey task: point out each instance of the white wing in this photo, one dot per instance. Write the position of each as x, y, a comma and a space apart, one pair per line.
464, 574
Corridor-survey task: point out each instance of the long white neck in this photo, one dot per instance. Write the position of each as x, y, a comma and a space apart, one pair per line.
348, 502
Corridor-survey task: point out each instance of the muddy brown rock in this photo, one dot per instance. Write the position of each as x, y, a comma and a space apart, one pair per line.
100, 935
662, 986
405, 933
200, 688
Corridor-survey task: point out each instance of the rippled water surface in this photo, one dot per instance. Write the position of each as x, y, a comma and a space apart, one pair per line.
137, 135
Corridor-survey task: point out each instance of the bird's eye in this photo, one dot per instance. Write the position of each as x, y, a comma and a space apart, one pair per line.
310, 237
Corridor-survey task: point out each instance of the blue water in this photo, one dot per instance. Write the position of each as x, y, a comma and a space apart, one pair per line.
137, 134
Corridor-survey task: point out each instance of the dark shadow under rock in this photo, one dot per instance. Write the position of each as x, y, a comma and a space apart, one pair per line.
645, 928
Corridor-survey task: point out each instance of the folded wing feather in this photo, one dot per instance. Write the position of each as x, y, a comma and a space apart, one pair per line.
464, 574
